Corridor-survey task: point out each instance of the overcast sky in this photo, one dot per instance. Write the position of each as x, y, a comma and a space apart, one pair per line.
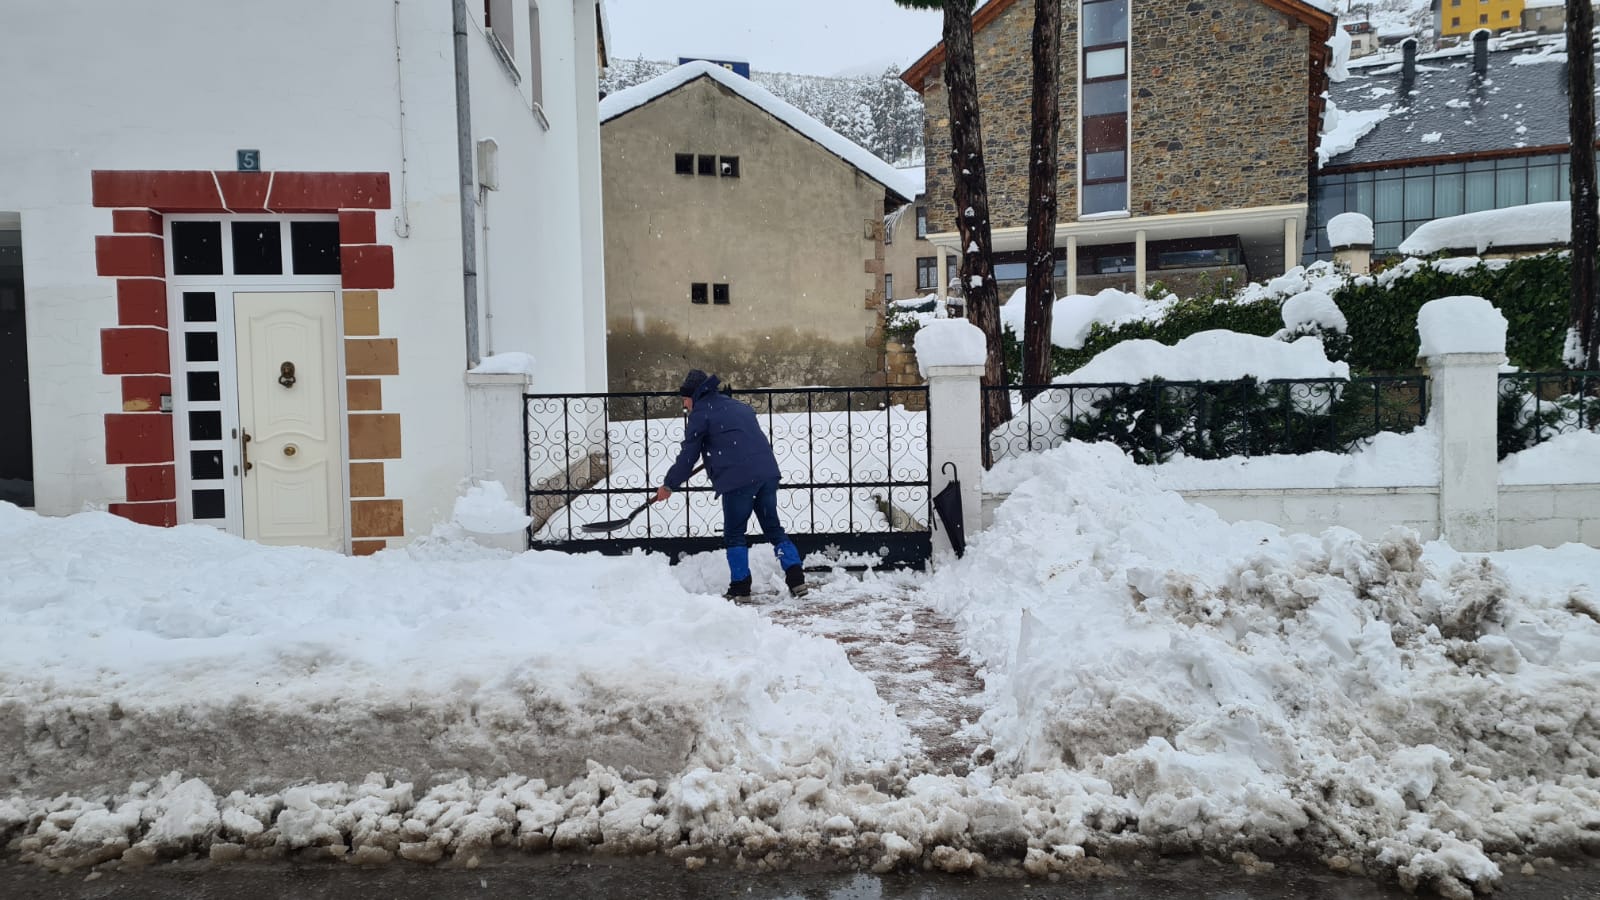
813, 37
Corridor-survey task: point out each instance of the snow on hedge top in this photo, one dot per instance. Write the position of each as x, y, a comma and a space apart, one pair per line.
1313, 309
624, 101
1073, 315
1350, 229
949, 342
1535, 224
1460, 325
1208, 356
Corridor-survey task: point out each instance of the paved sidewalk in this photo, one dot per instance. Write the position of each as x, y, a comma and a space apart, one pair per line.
909, 650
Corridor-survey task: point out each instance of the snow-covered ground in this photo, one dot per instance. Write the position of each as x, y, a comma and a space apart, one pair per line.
1155, 679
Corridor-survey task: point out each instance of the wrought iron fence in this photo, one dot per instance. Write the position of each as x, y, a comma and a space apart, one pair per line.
1158, 420
855, 464
1537, 406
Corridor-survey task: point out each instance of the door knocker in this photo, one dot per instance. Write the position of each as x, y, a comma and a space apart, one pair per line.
286, 374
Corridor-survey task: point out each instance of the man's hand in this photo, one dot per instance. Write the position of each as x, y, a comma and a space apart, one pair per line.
662, 493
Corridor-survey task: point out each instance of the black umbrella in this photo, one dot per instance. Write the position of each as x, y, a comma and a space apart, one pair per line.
947, 503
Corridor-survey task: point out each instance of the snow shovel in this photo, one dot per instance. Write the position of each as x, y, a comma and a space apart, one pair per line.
947, 503
614, 524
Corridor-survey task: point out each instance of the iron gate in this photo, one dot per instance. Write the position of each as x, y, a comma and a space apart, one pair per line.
855, 464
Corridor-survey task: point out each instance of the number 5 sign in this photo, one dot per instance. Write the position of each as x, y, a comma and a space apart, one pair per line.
249, 160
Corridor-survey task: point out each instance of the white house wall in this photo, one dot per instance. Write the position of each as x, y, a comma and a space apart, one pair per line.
312, 85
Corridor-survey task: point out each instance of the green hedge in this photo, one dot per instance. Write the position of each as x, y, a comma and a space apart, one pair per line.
1531, 293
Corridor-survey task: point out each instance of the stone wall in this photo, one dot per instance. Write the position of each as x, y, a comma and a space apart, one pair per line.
1218, 115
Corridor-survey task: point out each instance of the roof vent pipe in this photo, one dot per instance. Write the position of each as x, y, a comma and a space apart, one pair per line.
1408, 65
1480, 52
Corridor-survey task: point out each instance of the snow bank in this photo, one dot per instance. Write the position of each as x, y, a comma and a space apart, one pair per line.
1570, 458
1073, 315
1226, 686
253, 665
487, 509
1208, 356
1460, 325
1533, 225
1388, 459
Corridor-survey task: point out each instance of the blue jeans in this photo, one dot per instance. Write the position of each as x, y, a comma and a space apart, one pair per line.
762, 499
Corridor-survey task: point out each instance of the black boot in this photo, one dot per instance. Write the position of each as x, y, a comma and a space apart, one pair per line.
738, 590
796, 578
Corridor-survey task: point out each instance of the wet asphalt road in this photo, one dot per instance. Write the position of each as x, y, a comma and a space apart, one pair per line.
591, 878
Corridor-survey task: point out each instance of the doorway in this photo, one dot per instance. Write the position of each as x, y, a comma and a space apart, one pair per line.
16, 423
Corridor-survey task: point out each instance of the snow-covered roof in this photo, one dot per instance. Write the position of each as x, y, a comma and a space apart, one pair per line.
917, 175
1542, 4
632, 98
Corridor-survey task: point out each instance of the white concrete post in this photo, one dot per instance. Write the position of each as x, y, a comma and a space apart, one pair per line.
1355, 258
1139, 274
495, 442
955, 435
1463, 389
939, 287
1291, 244
1072, 264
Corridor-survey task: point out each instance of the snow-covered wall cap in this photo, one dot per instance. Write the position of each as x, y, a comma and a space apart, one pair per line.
1533, 225
949, 342
1349, 229
624, 101
505, 364
1460, 325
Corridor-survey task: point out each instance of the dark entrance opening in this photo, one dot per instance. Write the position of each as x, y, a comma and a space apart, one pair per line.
16, 432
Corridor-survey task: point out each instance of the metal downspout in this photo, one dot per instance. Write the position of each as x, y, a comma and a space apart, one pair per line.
469, 181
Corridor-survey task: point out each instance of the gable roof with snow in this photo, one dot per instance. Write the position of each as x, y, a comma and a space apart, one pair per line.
624, 101
1452, 114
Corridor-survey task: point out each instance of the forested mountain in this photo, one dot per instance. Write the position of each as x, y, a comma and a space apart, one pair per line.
878, 112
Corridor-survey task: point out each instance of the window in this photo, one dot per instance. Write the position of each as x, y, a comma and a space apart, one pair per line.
1455, 21
922, 222
1505, 14
729, 167
502, 28
888, 286
697, 292
683, 163
1455, 2
706, 164
1103, 101
1483, 19
719, 294
927, 273
16, 438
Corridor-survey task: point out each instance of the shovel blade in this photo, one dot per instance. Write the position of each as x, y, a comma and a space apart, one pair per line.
600, 527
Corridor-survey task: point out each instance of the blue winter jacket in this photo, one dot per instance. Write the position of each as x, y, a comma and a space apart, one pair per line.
727, 434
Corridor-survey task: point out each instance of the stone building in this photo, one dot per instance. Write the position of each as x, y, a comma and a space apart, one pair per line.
1188, 136
742, 237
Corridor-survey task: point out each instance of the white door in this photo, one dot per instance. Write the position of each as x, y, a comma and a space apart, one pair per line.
290, 450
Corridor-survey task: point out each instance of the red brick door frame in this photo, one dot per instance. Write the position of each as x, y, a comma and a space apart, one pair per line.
140, 437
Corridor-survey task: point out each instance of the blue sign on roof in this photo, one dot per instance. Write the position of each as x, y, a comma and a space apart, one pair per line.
736, 67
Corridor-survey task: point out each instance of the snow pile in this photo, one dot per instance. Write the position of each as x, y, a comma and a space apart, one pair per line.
1350, 229
506, 364
1312, 310
1460, 325
949, 342
1532, 225
1227, 687
486, 509
1074, 315
1339, 54
1387, 459
1570, 458
1341, 129
299, 664
1319, 276
1208, 356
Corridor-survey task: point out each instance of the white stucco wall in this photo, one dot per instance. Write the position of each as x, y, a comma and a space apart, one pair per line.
313, 86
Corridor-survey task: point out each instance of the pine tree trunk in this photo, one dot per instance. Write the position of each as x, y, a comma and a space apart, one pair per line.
1582, 316
1041, 293
972, 208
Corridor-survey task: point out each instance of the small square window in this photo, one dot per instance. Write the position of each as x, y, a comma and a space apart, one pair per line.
199, 306
697, 292
209, 505
719, 294
707, 164
205, 465
683, 163
730, 167
1483, 19
314, 247
205, 426
257, 248
200, 346
1455, 21
197, 248
1505, 14
205, 386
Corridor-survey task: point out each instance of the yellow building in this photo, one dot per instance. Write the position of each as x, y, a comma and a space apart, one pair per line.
1457, 19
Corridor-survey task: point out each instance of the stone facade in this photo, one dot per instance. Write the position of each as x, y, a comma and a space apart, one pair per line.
1219, 111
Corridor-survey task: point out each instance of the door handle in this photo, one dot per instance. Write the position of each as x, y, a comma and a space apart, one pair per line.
286, 375
244, 449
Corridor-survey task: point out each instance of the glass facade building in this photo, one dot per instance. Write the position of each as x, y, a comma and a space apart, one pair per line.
1399, 200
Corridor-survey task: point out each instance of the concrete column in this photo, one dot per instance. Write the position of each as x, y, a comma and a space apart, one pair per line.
1139, 274
1291, 244
1355, 259
955, 435
1463, 389
1072, 264
495, 443
938, 274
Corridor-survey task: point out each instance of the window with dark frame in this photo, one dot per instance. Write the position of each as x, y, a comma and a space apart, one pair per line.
683, 163
1104, 106
697, 292
922, 222
707, 164
719, 294
729, 167
888, 286
927, 273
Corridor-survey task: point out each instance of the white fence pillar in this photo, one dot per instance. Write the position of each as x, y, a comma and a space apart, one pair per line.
495, 442
1464, 390
955, 435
